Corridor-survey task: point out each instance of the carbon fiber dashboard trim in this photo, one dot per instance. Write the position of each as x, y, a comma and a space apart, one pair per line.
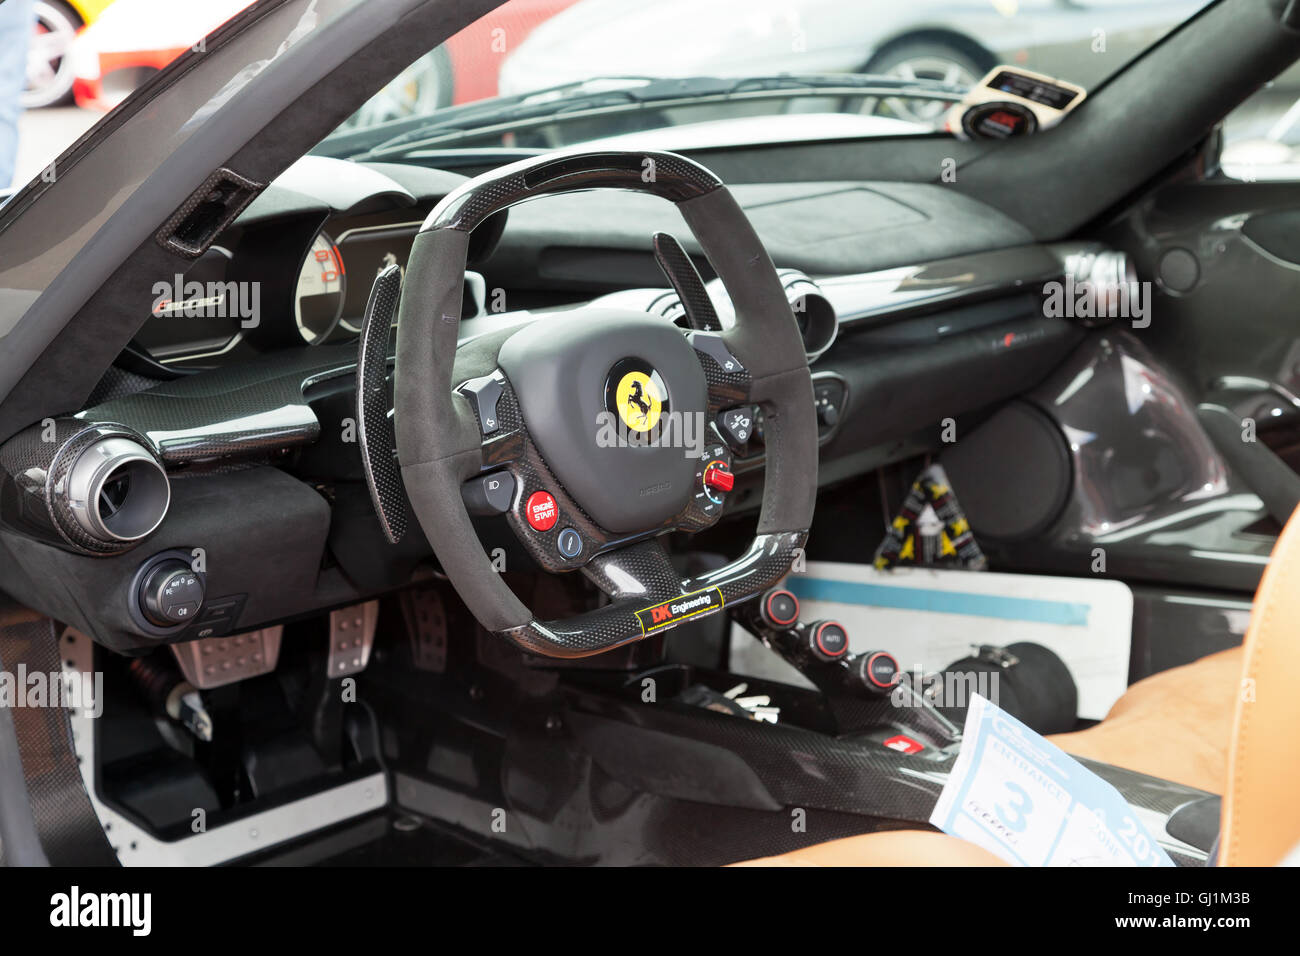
236, 411
118, 382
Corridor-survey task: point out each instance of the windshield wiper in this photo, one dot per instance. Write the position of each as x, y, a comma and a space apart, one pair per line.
577, 101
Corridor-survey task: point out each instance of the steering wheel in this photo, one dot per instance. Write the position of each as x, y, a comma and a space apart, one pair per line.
560, 417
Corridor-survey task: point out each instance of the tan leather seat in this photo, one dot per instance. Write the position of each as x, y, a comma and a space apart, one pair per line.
1261, 803
887, 848
1228, 723
1193, 704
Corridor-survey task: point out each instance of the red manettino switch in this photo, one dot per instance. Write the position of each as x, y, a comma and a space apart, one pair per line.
717, 478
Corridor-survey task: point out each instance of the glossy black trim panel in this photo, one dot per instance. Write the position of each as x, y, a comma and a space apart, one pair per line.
1151, 497
893, 293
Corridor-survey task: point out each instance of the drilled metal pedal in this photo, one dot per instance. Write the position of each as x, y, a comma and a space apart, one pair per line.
217, 661
352, 635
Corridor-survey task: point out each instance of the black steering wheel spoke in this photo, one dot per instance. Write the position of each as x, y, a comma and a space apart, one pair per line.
516, 481
641, 572
649, 597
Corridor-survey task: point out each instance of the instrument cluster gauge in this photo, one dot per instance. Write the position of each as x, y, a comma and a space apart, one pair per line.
318, 299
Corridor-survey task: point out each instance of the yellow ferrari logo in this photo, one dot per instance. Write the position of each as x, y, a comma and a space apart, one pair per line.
638, 401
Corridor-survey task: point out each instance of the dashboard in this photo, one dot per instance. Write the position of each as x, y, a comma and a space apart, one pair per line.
297, 266
230, 426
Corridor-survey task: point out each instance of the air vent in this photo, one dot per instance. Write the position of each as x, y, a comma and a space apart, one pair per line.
113, 494
818, 321
117, 491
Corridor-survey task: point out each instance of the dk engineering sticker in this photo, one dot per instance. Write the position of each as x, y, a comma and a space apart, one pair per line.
672, 612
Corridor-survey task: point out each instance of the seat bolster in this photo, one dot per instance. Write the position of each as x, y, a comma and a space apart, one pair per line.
886, 848
1190, 707
1261, 806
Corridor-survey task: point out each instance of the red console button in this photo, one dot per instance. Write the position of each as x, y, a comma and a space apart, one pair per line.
904, 745
541, 511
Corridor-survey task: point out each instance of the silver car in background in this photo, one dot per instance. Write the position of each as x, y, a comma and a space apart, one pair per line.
953, 41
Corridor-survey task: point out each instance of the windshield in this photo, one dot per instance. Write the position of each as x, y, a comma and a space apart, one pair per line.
541, 74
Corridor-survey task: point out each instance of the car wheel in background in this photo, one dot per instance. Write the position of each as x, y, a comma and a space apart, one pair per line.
939, 60
49, 68
424, 86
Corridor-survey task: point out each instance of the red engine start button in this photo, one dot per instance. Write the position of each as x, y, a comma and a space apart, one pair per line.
540, 510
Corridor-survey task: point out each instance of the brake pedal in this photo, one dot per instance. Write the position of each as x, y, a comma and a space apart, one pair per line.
352, 635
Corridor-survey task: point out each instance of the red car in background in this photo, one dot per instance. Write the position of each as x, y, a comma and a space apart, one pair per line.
134, 38
477, 52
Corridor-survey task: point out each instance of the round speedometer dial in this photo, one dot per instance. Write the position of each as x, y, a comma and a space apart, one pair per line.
318, 301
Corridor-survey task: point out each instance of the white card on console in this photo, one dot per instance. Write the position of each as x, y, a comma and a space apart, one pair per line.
1026, 800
